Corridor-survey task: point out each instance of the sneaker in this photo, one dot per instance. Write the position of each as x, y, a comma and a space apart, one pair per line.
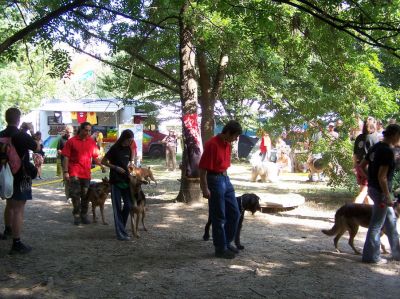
227, 254
233, 249
381, 261
126, 238
85, 220
20, 248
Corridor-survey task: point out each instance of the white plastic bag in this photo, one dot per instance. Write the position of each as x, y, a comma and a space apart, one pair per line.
6, 182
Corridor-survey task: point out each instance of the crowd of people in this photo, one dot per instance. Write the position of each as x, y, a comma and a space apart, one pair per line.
373, 158
75, 154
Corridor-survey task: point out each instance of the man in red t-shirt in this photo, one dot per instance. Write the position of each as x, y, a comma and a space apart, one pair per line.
78, 153
216, 186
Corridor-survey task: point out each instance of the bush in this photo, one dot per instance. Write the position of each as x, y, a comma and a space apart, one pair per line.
337, 155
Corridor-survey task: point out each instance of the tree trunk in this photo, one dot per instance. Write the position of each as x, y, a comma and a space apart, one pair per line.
210, 96
207, 101
190, 183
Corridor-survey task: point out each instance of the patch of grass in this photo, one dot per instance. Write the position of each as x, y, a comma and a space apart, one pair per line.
316, 194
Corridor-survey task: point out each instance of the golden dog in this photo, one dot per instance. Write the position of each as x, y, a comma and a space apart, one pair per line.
97, 195
348, 218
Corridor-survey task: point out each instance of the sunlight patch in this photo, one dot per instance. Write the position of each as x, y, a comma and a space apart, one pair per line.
301, 263
161, 225
381, 269
297, 240
243, 268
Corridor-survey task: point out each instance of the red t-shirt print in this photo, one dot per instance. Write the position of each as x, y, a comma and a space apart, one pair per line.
81, 117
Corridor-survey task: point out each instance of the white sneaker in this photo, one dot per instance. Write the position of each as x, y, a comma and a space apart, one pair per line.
382, 261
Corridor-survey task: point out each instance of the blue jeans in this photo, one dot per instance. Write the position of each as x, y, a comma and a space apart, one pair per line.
382, 215
223, 210
121, 214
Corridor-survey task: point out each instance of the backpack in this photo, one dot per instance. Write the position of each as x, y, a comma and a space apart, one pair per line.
9, 155
360, 149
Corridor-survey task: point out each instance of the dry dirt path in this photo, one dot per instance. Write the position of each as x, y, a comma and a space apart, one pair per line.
286, 255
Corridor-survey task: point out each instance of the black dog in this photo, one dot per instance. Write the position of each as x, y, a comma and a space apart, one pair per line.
246, 202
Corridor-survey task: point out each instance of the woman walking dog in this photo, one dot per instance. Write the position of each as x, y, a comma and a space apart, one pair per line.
381, 165
117, 159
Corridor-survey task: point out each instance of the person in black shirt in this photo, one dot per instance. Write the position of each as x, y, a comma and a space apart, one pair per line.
117, 159
38, 156
362, 144
14, 211
381, 165
60, 145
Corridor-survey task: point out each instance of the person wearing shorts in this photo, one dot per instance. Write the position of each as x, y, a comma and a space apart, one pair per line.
15, 206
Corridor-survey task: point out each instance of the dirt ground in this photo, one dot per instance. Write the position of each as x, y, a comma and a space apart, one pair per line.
286, 255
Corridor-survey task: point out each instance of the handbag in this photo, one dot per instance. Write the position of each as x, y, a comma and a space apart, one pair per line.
31, 170
25, 181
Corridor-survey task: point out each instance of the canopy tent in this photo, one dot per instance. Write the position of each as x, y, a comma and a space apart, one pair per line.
93, 105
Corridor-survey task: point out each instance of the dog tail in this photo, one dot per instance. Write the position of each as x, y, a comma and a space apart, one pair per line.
335, 228
331, 231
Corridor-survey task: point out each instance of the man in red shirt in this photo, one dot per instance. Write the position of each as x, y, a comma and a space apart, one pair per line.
78, 153
216, 186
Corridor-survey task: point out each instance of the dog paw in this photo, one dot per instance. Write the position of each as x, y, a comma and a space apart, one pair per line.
105, 223
206, 237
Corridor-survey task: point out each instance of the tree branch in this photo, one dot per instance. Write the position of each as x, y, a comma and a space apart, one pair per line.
113, 11
349, 27
219, 77
39, 23
122, 68
130, 52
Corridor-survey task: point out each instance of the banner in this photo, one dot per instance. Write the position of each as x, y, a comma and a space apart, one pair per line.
137, 129
192, 144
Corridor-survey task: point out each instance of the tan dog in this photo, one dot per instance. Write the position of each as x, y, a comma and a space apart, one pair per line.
316, 166
348, 218
97, 195
137, 211
266, 170
144, 173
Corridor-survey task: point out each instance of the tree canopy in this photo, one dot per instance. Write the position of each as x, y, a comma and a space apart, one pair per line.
297, 60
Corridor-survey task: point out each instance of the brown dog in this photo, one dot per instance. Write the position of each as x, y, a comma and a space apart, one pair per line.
348, 218
97, 195
137, 211
144, 173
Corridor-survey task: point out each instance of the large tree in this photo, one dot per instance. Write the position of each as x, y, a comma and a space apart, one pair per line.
154, 43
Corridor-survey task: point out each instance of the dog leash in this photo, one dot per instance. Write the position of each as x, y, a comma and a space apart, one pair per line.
95, 169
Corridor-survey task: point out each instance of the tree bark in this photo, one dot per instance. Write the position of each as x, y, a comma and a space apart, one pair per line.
190, 183
207, 101
209, 96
